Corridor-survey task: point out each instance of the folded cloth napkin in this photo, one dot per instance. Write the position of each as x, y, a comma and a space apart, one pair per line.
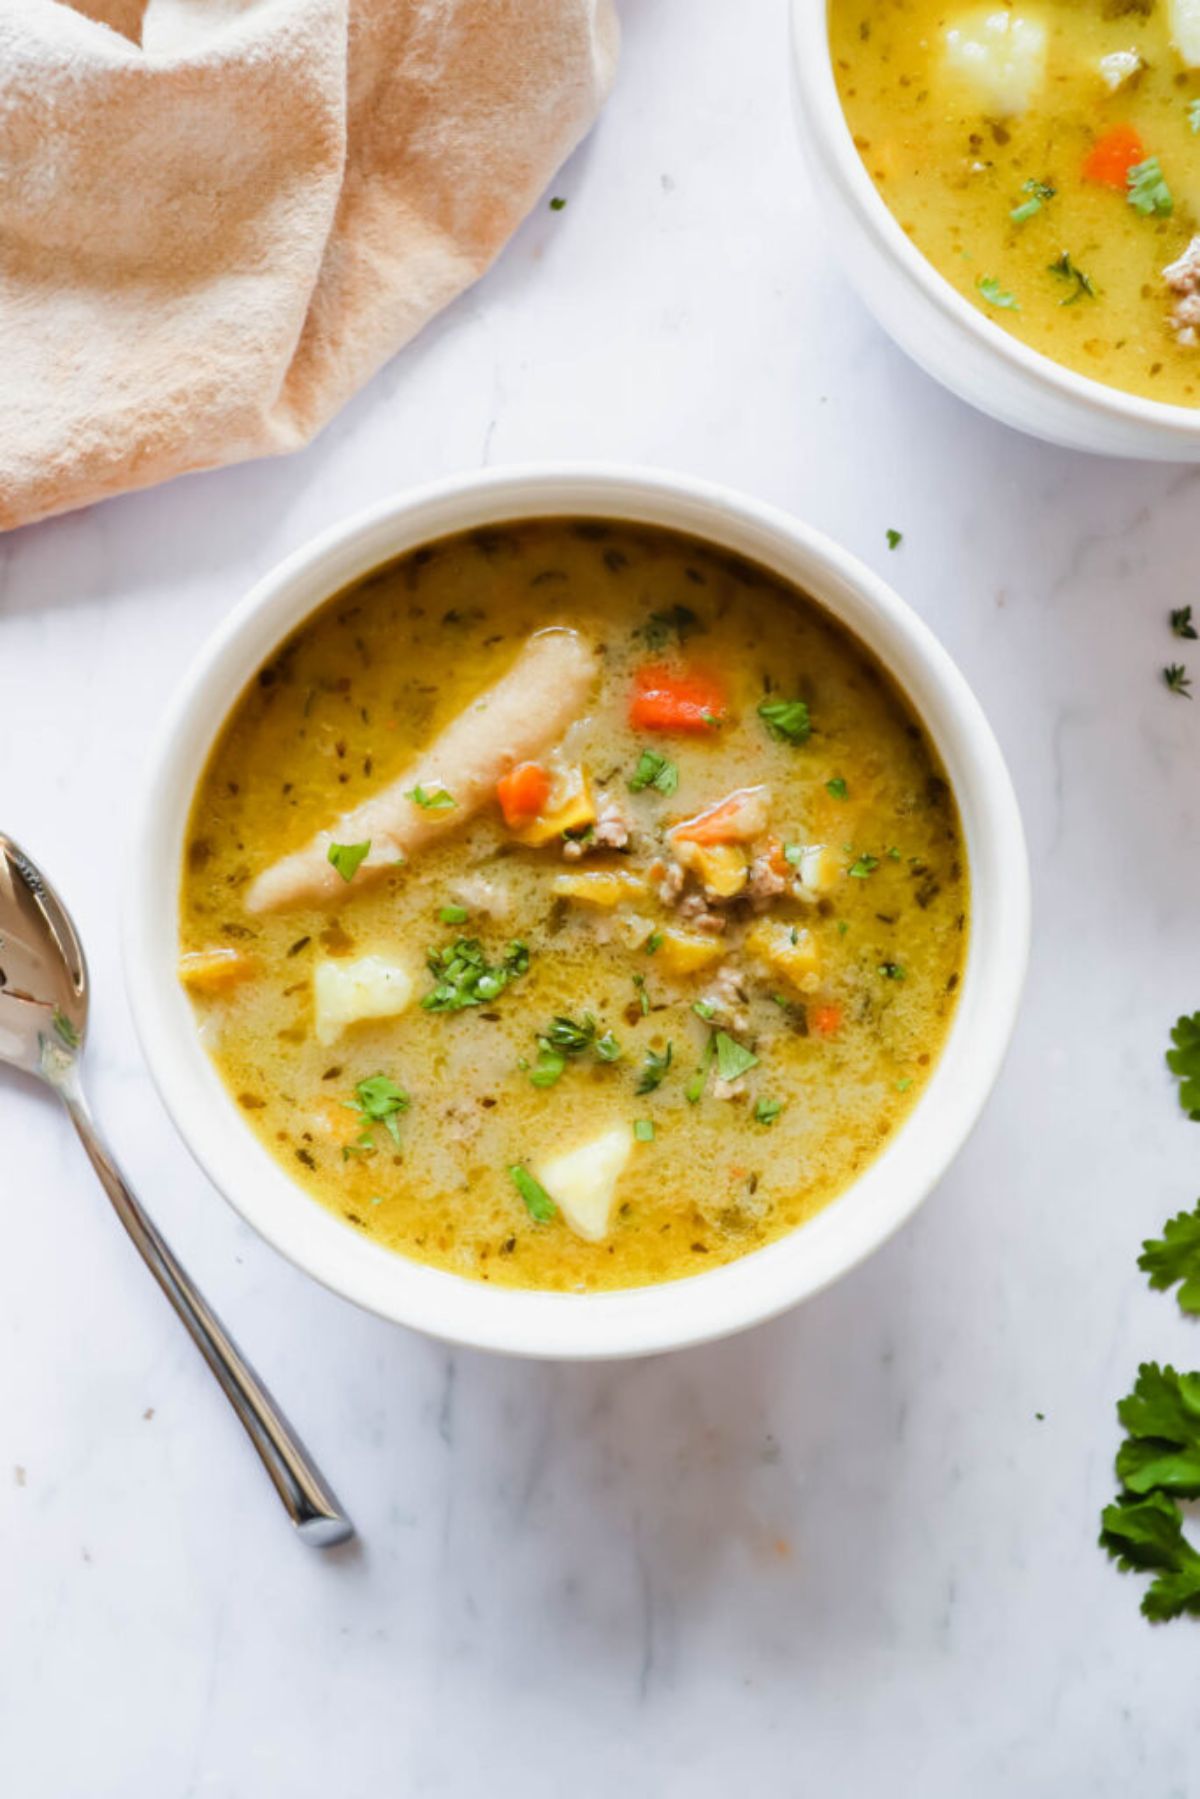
219, 217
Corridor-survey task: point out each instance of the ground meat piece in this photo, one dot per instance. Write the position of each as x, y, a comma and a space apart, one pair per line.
694, 909
727, 997
765, 883
610, 832
670, 885
1183, 278
727, 1089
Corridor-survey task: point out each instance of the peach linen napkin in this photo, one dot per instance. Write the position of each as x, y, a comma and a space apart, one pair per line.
218, 218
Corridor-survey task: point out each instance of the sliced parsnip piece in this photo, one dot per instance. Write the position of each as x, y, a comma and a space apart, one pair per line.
214, 970
347, 991
819, 868
582, 1182
1000, 56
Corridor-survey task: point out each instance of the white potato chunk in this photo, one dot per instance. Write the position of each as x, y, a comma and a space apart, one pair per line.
1184, 17
1001, 56
582, 1182
819, 869
1120, 67
368, 987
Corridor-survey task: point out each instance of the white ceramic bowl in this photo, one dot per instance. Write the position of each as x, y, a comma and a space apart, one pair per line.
950, 338
703, 1305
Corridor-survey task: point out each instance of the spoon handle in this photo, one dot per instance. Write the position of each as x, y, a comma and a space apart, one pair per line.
310, 1501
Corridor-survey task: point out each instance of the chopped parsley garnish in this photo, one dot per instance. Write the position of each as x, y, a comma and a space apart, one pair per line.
864, 866
1039, 192
347, 858
766, 1111
1066, 270
464, 977
1177, 679
703, 1008
538, 1203
894, 971
557, 203
786, 720
676, 621
995, 295
64, 1030
1175, 1256
1181, 623
894, 538
549, 1065
643, 1130
837, 789
1184, 1062
793, 853
655, 771
654, 943
453, 915
733, 1058
639, 981
903, 1085
695, 1084
607, 1048
378, 1100
436, 801
654, 1070
1148, 190
572, 1036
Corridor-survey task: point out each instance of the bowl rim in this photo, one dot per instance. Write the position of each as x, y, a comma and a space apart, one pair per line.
828, 132
634, 1321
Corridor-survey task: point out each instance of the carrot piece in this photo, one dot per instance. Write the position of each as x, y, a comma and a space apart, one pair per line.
214, 970
776, 861
826, 1020
738, 819
523, 792
665, 699
1112, 156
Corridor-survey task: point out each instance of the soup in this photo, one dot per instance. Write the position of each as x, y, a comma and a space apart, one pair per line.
573, 906
1045, 157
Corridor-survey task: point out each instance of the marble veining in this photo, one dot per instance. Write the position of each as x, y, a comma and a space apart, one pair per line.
841, 1554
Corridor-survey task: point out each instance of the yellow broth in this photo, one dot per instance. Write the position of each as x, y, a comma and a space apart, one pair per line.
954, 166
364, 685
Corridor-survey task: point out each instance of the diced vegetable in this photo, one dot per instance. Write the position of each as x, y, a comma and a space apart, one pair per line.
1119, 68
1112, 156
214, 970
348, 858
683, 952
607, 887
788, 949
346, 992
786, 720
1184, 21
723, 867
826, 1020
818, 867
582, 1182
654, 771
1001, 56
738, 819
523, 792
569, 806
666, 699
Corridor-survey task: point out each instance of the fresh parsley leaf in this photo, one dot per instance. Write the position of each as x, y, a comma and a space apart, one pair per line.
1184, 1062
1066, 270
1181, 623
1161, 1451
864, 866
766, 1111
347, 858
654, 1070
787, 720
1177, 679
1148, 190
453, 915
436, 801
571, 1036
464, 977
656, 771
1175, 1256
379, 1099
733, 1058
894, 538
1039, 192
643, 1130
1148, 1533
676, 621
837, 789
995, 295
538, 1203
894, 971
549, 1066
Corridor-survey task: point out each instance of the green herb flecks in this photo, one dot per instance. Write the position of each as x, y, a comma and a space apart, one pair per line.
452, 915
733, 1058
766, 1111
892, 971
557, 203
654, 771
787, 721
549, 1065
894, 538
377, 1100
538, 1203
643, 1130
639, 981
995, 295
863, 866
348, 858
654, 1070
64, 1030
1177, 680
1148, 191
435, 800
837, 789
464, 977
1193, 109
1039, 192
1083, 287
676, 621
1181, 623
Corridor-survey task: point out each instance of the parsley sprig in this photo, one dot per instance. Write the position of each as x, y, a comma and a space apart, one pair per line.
464, 977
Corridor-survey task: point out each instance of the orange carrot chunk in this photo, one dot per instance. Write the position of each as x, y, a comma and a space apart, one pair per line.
738, 819
523, 792
1112, 156
666, 699
826, 1020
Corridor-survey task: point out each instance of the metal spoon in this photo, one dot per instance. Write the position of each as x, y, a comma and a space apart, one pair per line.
43, 1022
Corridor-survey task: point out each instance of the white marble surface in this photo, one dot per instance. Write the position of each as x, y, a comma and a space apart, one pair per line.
839, 1555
